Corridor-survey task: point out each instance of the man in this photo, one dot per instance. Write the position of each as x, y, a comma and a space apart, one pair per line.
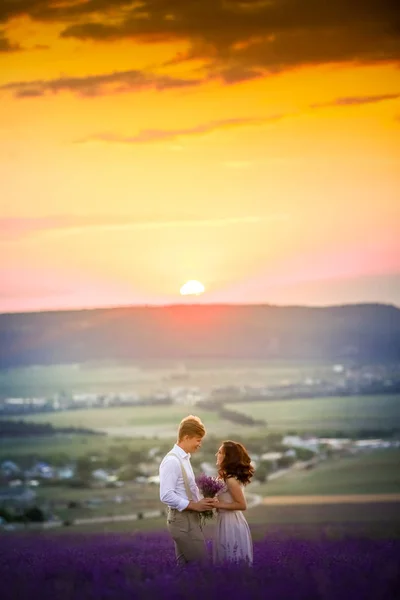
178, 490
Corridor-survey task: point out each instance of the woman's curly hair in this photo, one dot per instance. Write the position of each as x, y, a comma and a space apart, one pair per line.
236, 463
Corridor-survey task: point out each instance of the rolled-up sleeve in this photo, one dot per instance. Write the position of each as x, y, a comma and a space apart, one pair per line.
170, 472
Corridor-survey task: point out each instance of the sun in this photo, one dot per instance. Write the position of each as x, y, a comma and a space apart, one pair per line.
192, 288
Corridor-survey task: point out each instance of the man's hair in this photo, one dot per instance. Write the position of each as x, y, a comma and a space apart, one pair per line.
191, 426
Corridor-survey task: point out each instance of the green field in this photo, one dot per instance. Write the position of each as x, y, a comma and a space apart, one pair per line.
152, 376
316, 415
129, 416
331, 521
365, 473
72, 446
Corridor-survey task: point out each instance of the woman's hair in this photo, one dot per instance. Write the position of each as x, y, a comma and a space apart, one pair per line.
191, 426
236, 463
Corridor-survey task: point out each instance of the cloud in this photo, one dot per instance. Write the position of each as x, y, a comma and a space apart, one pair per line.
7, 46
14, 228
147, 136
238, 39
53, 11
98, 85
243, 37
357, 100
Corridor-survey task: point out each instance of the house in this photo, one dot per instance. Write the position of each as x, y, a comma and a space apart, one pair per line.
336, 443
272, 457
155, 480
153, 452
8, 468
17, 495
295, 441
41, 469
372, 444
65, 473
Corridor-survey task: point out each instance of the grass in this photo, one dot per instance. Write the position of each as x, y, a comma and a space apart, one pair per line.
146, 377
326, 414
129, 416
314, 415
73, 446
371, 520
369, 473
65, 494
334, 520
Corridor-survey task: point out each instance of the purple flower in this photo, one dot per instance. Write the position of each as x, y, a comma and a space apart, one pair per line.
209, 486
56, 566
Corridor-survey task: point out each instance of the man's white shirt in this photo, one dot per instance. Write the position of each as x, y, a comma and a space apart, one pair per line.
172, 485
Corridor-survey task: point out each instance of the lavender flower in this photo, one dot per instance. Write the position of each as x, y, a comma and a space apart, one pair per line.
209, 487
61, 566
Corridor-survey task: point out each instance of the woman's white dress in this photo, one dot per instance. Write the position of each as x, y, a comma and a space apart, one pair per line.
232, 538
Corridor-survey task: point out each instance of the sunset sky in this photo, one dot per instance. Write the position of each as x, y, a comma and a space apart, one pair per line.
251, 145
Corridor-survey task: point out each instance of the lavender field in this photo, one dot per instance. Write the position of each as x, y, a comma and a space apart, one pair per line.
126, 567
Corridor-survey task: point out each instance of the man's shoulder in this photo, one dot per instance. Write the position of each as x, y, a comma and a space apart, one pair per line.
170, 457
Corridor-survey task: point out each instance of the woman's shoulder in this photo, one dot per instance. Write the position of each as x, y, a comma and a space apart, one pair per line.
233, 481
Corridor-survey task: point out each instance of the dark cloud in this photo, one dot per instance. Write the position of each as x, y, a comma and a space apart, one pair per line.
242, 36
98, 85
7, 46
357, 100
52, 10
238, 39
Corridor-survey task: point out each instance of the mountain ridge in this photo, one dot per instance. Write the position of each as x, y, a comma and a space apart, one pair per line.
364, 331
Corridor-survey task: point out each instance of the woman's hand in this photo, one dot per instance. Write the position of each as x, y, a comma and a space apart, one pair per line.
215, 503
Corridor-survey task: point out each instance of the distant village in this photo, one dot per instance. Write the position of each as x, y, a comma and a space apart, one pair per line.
343, 382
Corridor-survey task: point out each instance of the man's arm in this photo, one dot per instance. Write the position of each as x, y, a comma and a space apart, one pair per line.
170, 471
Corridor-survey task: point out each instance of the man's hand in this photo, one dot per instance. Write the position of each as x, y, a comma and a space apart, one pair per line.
203, 504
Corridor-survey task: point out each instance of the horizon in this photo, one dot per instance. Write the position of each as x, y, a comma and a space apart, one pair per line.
203, 305
251, 146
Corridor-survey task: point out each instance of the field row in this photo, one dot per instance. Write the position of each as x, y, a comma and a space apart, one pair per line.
305, 415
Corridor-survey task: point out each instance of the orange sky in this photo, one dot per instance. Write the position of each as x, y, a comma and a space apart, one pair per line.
252, 145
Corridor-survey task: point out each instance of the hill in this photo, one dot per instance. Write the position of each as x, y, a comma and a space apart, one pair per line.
365, 332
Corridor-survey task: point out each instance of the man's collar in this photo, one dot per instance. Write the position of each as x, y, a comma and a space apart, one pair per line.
181, 452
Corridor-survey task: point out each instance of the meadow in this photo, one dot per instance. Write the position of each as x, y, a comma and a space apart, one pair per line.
148, 377
313, 416
318, 415
70, 446
151, 422
119, 417
364, 473
309, 521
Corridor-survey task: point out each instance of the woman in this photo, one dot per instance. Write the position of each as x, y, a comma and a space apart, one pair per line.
232, 541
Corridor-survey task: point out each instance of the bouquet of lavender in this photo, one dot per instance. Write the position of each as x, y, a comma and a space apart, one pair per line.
209, 487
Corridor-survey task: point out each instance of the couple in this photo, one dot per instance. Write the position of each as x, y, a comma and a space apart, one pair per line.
178, 490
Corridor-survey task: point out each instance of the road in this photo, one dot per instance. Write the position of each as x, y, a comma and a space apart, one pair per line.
330, 499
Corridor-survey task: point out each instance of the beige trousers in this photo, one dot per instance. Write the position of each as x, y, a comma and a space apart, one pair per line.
184, 528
